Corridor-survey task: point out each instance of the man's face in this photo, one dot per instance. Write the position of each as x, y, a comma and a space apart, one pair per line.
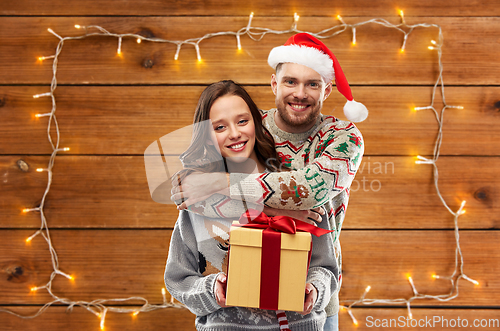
300, 92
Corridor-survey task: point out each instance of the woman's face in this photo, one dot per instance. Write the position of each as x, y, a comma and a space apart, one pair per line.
234, 128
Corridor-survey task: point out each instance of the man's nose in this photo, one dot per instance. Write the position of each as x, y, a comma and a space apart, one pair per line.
300, 92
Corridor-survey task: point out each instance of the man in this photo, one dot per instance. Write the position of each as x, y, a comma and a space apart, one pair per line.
323, 152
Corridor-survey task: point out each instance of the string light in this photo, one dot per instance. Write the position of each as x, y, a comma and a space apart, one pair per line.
354, 36
98, 306
36, 96
119, 51
139, 40
164, 293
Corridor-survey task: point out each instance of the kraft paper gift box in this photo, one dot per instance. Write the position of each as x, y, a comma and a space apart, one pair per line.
274, 279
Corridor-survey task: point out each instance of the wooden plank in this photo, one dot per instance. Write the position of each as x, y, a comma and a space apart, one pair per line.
112, 192
110, 264
384, 259
57, 318
260, 7
125, 120
375, 59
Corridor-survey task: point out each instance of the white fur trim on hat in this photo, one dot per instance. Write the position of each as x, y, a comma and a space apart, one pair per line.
307, 56
355, 111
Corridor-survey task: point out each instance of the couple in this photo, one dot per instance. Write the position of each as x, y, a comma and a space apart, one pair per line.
317, 157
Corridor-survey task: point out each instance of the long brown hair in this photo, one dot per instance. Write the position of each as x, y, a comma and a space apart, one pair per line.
203, 156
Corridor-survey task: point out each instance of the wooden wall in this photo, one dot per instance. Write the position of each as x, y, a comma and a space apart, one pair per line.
113, 238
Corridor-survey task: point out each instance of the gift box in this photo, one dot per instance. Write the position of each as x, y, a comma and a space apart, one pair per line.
267, 268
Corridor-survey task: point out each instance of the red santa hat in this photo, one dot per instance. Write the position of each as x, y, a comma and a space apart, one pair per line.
307, 50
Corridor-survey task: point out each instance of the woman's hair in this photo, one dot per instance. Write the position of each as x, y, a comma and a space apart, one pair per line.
202, 155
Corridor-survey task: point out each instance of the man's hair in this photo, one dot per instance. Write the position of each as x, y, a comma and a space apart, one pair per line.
278, 68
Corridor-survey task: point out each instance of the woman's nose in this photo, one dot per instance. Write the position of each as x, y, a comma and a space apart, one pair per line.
234, 132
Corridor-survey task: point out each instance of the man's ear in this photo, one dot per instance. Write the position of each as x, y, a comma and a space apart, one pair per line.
274, 83
328, 90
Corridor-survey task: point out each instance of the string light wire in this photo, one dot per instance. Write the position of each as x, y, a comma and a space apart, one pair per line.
101, 307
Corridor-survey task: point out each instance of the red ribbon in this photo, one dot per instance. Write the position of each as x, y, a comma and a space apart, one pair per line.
271, 249
254, 219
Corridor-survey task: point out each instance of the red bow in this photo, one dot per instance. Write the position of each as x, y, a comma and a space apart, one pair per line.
255, 219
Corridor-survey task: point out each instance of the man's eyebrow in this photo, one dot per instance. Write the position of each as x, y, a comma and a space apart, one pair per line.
319, 81
288, 77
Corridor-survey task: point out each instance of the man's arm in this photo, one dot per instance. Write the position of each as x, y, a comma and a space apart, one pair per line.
331, 172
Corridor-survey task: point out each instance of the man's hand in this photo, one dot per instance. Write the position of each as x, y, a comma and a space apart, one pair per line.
198, 186
220, 290
311, 216
311, 296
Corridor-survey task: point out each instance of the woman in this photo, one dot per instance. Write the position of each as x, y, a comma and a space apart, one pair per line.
229, 136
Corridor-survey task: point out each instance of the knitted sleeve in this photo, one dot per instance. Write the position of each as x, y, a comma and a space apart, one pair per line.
323, 270
222, 206
182, 277
335, 160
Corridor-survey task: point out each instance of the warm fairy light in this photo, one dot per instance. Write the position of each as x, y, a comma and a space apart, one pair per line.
139, 40
339, 17
368, 288
402, 14
434, 276
103, 317
36, 96
296, 17
41, 58
401, 50
354, 36
28, 240
251, 15
71, 277
39, 169
34, 289
431, 47
66, 149
408, 276
410, 315
77, 26
135, 313
119, 51
238, 41
433, 42
25, 210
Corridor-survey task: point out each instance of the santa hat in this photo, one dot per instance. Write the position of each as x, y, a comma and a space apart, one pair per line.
307, 50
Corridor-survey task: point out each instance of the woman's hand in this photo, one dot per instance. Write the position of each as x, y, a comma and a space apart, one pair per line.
311, 216
198, 186
310, 299
220, 290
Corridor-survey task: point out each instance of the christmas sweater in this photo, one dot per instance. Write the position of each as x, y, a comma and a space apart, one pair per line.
198, 253
324, 161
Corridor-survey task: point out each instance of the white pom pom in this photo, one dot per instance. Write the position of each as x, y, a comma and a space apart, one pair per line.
355, 111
